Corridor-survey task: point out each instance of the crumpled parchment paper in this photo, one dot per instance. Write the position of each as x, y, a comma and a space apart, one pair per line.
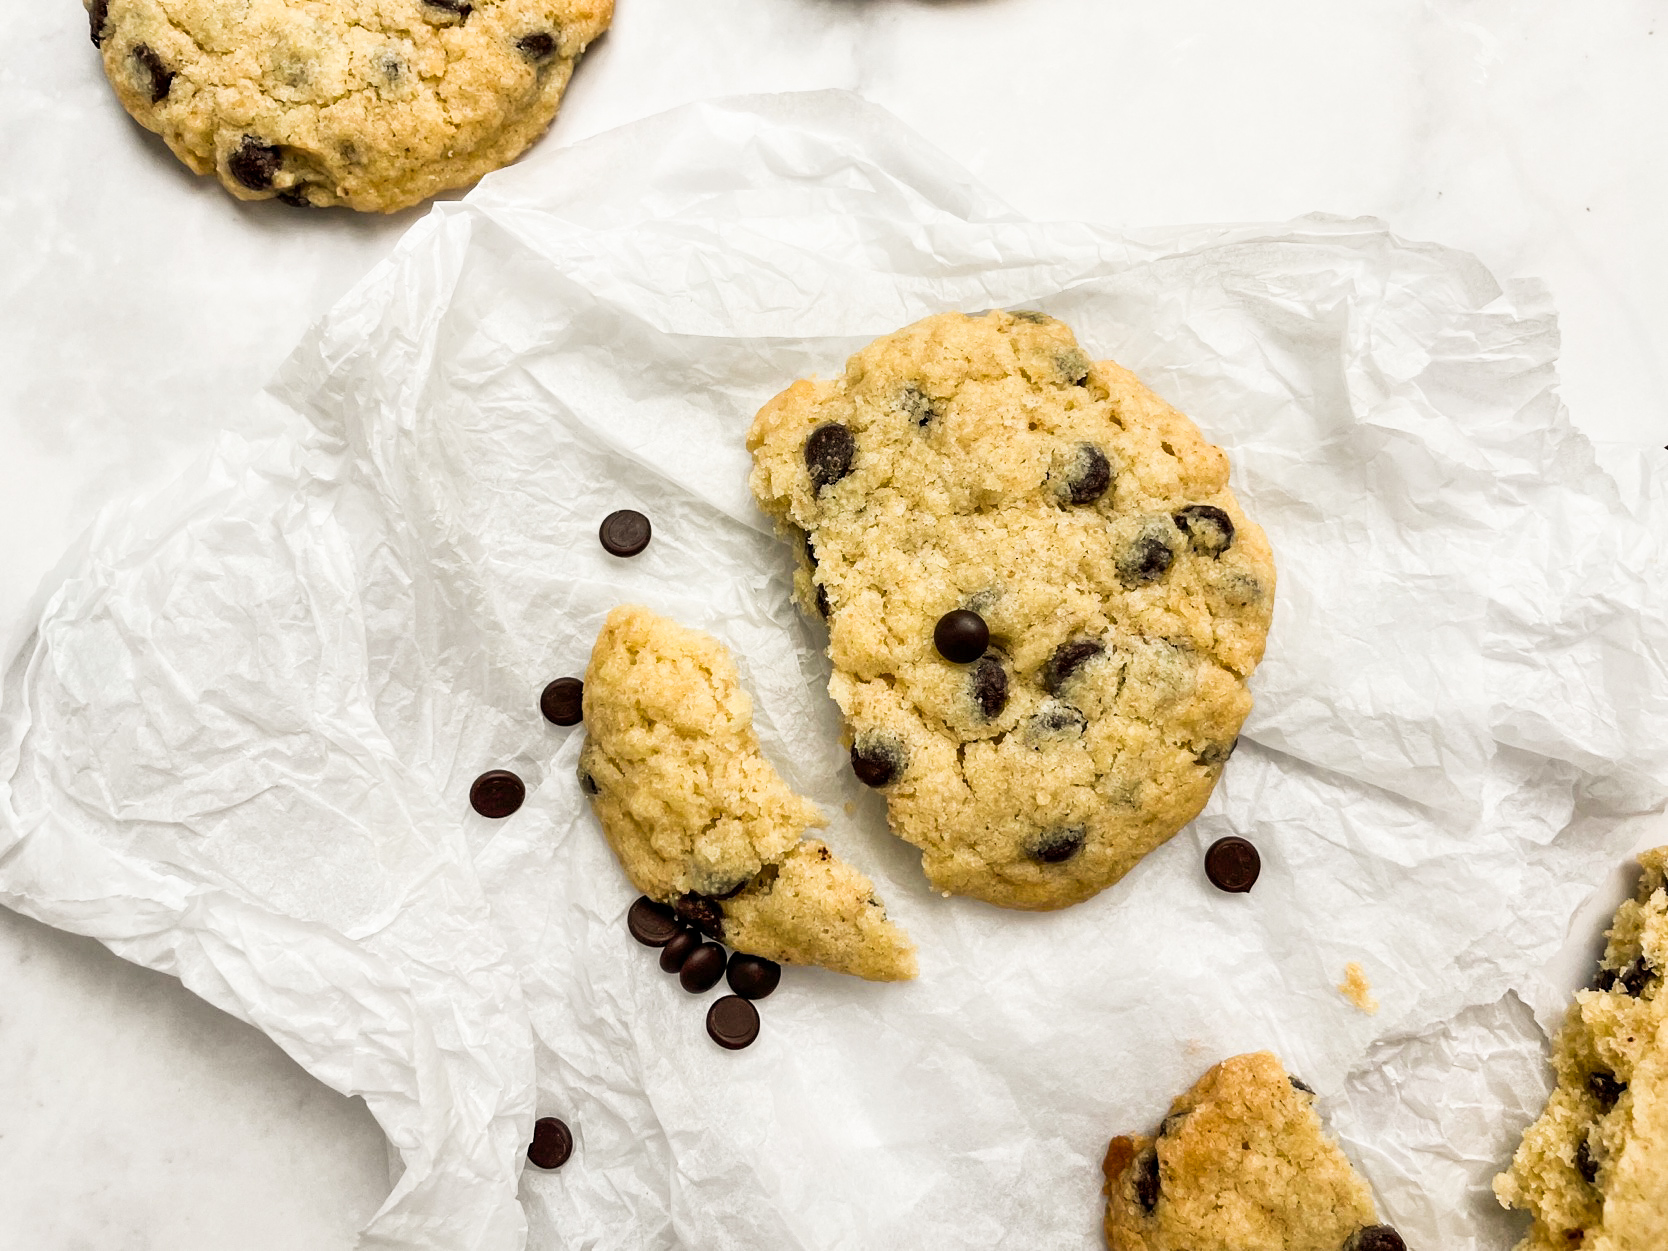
239, 744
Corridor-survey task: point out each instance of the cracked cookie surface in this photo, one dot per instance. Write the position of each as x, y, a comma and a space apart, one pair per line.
701, 821
373, 104
1241, 1163
1593, 1169
986, 464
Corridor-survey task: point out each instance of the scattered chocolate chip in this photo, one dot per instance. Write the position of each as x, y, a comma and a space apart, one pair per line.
624, 533
563, 702
701, 911
98, 17
732, 1022
1232, 864
1216, 754
989, 685
1298, 1084
552, 1144
1605, 1088
1585, 1164
1085, 476
459, 9
918, 405
1209, 530
158, 77
1059, 845
1375, 1238
1146, 1179
1067, 659
652, 924
539, 46
877, 759
822, 601
677, 949
752, 977
1148, 556
255, 164
702, 968
961, 636
1635, 977
496, 793
829, 452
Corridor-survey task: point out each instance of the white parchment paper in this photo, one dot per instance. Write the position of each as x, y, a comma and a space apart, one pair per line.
239, 744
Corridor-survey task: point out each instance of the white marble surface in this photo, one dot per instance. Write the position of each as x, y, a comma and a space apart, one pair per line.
1528, 132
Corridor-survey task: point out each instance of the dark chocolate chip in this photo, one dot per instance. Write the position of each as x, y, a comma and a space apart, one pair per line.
918, 405
752, 977
1635, 977
732, 1023
1375, 1238
677, 949
652, 924
822, 601
295, 197
1086, 476
624, 533
588, 784
1073, 364
961, 636
1209, 530
1148, 556
829, 452
877, 759
1605, 1088
989, 684
702, 968
1605, 980
1585, 1164
158, 77
1299, 1084
255, 164
563, 702
539, 46
1232, 864
1058, 845
459, 9
1172, 1123
552, 1143
1146, 1179
496, 793
730, 892
1067, 659
701, 911
1216, 754
98, 17
1056, 721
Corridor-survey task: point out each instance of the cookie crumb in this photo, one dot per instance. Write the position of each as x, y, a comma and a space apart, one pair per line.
1357, 989
850, 808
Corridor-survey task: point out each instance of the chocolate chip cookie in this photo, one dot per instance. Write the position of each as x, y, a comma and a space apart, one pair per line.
1043, 601
701, 821
1594, 1168
1240, 1162
375, 104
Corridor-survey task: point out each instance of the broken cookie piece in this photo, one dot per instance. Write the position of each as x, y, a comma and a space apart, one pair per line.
701, 821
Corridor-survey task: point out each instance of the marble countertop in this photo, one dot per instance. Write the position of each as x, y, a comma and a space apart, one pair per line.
1530, 133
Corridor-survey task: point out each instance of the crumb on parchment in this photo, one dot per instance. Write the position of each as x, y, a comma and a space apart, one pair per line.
1357, 989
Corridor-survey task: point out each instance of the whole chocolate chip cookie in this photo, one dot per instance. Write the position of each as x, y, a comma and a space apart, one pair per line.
701, 821
375, 104
983, 465
1241, 1161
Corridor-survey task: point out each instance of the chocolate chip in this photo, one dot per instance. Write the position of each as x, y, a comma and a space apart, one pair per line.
1067, 659
1605, 1088
588, 784
1055, 722
552, 1144
295, 197
1058, 845
829, 453
961, 636
822, 601
1172, 1123
701, 911
989, 686
1085, 475
877, 759
1605, 980
1146, 1179
1375, 1238
98, 17
652, 924
1298, 1084
563, 702
1031, 315
459, 9
732, 1023
496, 793
539, 46
677, 949
1585, 1164
702, 968
255, 164
1216, 754
1073, 364
158, 77
1635, 977
752, 977
918, 405
1209, 530
624, 533
1232, 864
1148, 556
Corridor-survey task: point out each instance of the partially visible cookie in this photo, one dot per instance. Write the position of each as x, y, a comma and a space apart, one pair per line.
1241, 1163
375, 104
1594, 1168
984, 467
700, 820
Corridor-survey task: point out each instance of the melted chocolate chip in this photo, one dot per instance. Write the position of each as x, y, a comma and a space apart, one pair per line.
1216, 754
1635, 977
1148, 556
1585, 1164
1073, 365
961, 636
829, 451
651, 923
1172, 1123
563, 702
98, 17
497, 793
1209, 530
1233, 865
1058, 845
588, 784
702, 969
918, 405
989, 686
752, 977
1146, 1179
1375, 1238
1055, 721
677, 949
295, 197
1605, 1088
1298, 1084
1067, 659
158, 78
1086, 475
877, 759
823, 608
701, 911
255, 164
537, 47
624, 533
1605, 980
459, 9
732, 1023
552, 1144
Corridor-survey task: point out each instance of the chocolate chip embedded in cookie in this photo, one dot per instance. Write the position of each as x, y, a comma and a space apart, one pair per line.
1043, 601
